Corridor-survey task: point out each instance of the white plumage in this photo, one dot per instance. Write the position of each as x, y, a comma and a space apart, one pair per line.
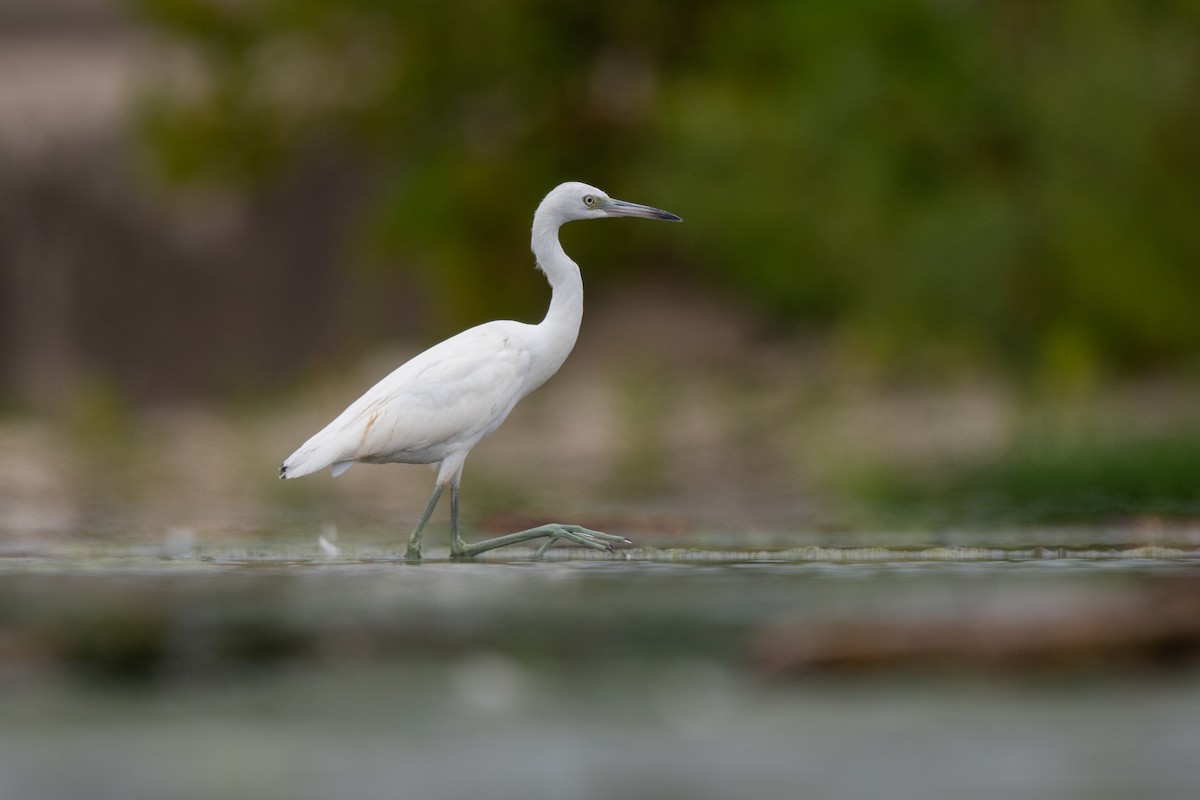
439, 403
437, 406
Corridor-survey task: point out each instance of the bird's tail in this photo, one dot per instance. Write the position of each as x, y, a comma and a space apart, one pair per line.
330, 446
294, 466
311, 458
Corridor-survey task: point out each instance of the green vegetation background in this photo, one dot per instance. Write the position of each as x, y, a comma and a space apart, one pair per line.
943, 182
990, 187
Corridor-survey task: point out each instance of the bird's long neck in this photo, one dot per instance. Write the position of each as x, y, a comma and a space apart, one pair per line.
566, 285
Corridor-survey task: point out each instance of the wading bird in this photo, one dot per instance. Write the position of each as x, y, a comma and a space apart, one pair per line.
435, 408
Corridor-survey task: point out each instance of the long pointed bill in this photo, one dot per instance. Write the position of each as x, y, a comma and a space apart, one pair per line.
619, 208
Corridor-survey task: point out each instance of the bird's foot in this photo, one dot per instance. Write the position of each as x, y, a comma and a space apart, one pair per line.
584, 537
413, 552
552, 533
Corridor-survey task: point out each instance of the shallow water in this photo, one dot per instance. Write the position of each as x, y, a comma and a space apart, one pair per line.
275, 669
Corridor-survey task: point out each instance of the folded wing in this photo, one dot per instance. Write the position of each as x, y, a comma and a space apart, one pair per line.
444, 400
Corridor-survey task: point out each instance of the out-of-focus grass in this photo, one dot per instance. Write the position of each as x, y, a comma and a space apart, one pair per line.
694, 424
1048, 479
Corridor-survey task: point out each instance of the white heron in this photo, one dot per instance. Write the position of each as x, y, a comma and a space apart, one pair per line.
435, 408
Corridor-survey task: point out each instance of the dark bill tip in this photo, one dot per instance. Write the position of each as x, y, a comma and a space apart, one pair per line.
620, 208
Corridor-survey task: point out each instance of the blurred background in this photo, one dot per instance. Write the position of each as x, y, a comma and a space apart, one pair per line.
940, 258
904, 419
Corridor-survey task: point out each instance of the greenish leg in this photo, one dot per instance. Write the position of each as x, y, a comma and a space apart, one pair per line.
414, 541
456, 543
552, 533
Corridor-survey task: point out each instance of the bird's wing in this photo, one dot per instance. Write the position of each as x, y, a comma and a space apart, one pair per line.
449, 396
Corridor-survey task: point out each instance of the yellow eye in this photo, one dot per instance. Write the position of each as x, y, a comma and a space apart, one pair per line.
589, 201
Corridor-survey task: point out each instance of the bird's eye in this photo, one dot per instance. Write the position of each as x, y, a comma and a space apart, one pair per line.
589, 201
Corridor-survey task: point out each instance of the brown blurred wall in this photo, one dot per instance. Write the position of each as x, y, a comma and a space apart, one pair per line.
106, 275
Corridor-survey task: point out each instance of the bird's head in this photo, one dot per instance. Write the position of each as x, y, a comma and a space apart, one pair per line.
574, 200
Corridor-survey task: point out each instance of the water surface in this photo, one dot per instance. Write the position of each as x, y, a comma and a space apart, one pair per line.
276, 668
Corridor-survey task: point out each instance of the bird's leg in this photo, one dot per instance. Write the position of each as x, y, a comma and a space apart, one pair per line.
552, 533
456, 543
414, 541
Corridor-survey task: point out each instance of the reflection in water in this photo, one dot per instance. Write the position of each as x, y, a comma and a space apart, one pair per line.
278, 671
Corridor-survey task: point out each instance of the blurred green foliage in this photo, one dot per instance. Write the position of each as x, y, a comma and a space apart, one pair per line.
1003, 181
1051, 479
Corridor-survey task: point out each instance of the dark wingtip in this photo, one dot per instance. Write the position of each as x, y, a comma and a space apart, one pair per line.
283, 471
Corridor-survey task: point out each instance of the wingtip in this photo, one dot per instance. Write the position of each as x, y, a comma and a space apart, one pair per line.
283, 472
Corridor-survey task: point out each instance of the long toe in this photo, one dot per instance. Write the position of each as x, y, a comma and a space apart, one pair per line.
589, 538
552, 534
599, 536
